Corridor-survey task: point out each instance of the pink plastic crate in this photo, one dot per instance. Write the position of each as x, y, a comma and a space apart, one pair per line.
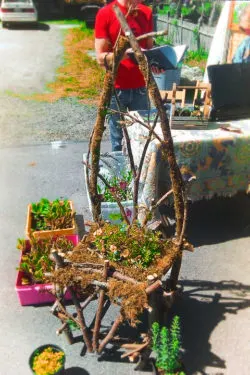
37, 294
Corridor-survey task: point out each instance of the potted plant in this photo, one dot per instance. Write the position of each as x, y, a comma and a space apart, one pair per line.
166, 344
47, 360
50, 218
119, 181
31, 286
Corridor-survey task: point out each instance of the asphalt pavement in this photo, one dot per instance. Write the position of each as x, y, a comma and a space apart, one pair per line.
214, 307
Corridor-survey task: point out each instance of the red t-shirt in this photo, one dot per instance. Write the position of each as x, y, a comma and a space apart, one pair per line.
107, 26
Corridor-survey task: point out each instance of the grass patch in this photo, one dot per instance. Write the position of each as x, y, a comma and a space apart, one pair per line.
197, 58
80, 76
67, 21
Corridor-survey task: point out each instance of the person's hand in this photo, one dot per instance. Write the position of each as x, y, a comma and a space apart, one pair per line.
126, 54
157, 70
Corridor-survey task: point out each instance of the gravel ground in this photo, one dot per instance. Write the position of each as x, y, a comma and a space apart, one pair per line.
29, 122
31, 58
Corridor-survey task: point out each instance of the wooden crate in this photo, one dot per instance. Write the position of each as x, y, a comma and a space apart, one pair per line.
191, 122
188, 122
49, 233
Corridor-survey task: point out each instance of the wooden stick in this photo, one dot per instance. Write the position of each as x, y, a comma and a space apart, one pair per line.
98, 268
148, 127
120, 276
165, 196
113, 193
129, 150
84, 265
88, 270
54, 307
174, 171
98, 317
126, 137
151, 279
168, 298
101, 284
133, 357
152, 34
130, 346
81, 320
58, 260
177, 263
111, 333
88, 300
66, 313
61, 329
67, 332
139, 171
60, 263
138, 349
153, 287
154, 313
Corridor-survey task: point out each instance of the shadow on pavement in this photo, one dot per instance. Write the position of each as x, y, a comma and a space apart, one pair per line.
27, 26
114, 355
43, 26
80, 225
201, 308
216, 220
219, 219
76, 371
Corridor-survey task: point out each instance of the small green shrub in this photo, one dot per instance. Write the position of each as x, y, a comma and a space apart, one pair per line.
166, 343
131, 246
205, 8
168, 9
162, 40
49, 215
199, 55
185, 11
196, 34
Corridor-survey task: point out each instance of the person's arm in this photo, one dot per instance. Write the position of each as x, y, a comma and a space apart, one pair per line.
103, 45
238, 57
150, 43
104, 55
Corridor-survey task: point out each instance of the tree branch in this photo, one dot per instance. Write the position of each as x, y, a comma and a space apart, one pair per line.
175, 175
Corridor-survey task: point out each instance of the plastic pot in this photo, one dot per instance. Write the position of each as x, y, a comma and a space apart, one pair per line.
166, 80
156, 371
39, 350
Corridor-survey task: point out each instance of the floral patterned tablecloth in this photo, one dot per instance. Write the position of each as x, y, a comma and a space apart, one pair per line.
219, 159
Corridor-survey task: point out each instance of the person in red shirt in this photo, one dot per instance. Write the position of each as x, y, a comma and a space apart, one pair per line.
129, 84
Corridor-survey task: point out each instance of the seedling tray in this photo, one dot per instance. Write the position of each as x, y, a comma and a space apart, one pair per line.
48, 233
188, 122
37, 294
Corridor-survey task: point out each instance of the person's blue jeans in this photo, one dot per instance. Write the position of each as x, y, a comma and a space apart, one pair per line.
129, 99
